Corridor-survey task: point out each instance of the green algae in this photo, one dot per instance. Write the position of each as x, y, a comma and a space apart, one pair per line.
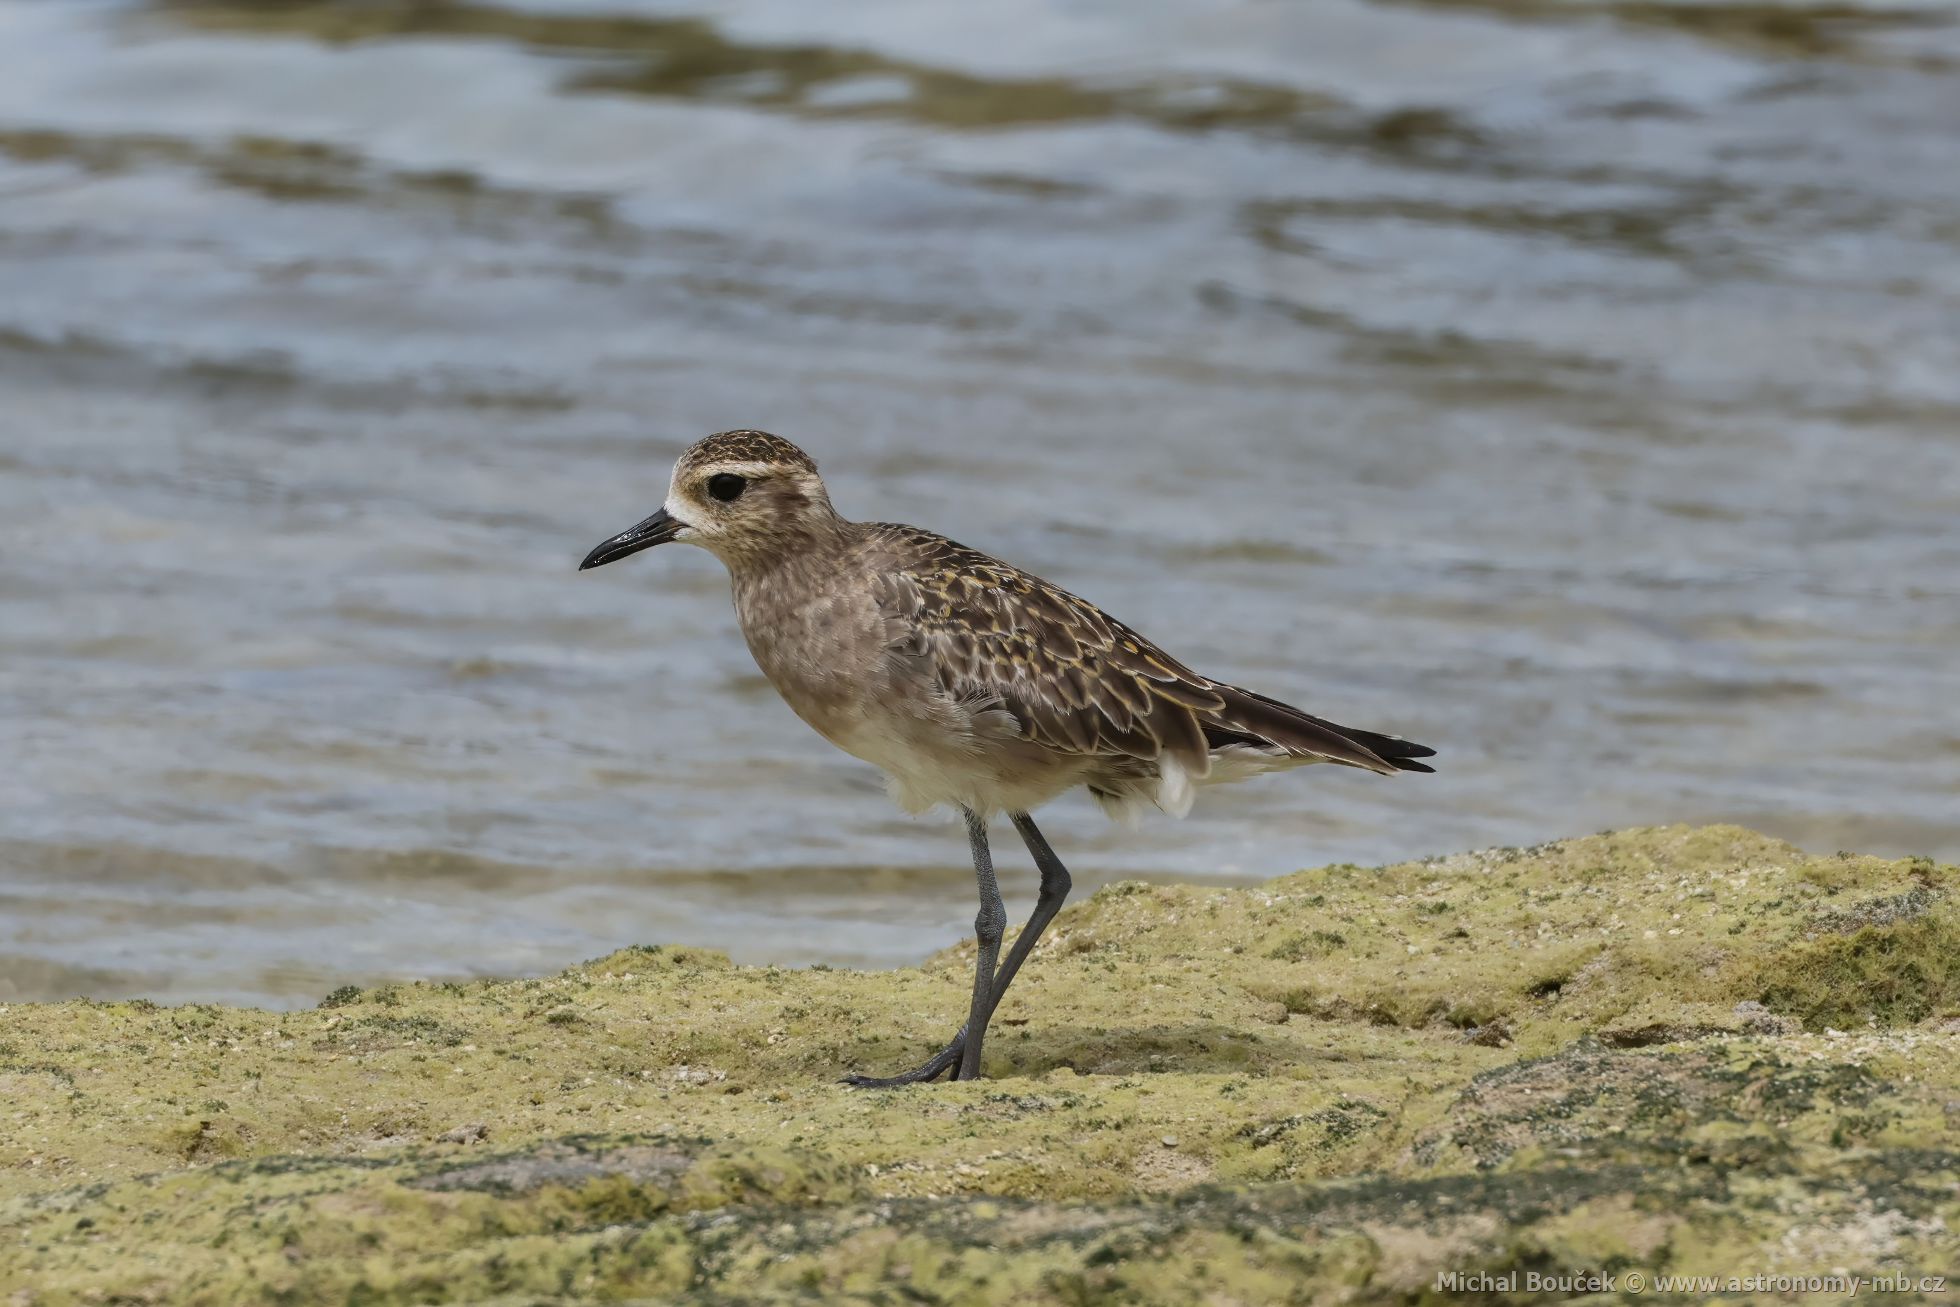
1686, 1050
1890, 975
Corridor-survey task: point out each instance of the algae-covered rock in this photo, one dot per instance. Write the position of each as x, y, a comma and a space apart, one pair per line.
1665, 1052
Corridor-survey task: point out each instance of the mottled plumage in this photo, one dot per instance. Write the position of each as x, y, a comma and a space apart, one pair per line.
1082, 684
743, 447
969, 682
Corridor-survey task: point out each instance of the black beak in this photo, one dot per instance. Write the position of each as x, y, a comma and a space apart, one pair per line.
656, 530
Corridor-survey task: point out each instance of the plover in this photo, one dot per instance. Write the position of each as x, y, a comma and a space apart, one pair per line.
970, 683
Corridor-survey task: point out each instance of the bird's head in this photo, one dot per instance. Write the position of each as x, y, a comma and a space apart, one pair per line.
741, 495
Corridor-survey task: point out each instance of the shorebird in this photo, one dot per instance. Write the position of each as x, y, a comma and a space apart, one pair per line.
970, 683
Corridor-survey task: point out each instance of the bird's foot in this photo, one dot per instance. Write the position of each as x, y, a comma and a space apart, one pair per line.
946, 1059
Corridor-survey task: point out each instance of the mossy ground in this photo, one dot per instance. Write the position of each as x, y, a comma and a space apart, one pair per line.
1680, 1050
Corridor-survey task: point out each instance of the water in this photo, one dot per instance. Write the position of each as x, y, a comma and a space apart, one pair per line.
1572, 386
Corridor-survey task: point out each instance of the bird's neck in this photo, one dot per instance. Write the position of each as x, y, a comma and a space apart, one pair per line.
812, 546
803, 617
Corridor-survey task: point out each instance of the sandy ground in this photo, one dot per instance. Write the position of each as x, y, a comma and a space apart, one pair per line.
1661, 1052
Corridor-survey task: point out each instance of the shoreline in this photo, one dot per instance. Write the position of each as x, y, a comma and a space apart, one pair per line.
1677, 1050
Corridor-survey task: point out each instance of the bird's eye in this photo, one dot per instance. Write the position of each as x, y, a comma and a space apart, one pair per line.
726, 486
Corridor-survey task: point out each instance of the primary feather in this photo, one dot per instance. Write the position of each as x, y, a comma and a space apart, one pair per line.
1077, 681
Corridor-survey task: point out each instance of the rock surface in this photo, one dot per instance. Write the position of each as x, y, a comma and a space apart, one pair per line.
1652, 1053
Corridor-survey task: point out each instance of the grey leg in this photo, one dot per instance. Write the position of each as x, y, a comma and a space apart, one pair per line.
988, 925
1055, 885
934, 1067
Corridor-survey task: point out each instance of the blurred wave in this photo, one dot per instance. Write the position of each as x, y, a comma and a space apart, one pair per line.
1568, 384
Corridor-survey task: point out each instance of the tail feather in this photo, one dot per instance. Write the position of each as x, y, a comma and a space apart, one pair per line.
1252, 718
1397, 752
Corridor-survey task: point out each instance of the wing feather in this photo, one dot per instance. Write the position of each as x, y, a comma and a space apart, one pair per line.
1075, 679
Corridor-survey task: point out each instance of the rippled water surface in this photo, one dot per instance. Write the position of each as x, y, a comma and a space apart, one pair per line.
1572, 386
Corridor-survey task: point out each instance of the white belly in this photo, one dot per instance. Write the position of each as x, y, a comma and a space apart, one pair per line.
950, 756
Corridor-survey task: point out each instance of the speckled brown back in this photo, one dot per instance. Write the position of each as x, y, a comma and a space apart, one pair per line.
1074, 678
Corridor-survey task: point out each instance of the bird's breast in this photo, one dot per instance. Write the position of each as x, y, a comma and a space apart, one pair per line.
821, 645
828, 648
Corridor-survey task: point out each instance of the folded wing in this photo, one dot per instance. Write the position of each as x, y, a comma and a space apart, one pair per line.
1077, 680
